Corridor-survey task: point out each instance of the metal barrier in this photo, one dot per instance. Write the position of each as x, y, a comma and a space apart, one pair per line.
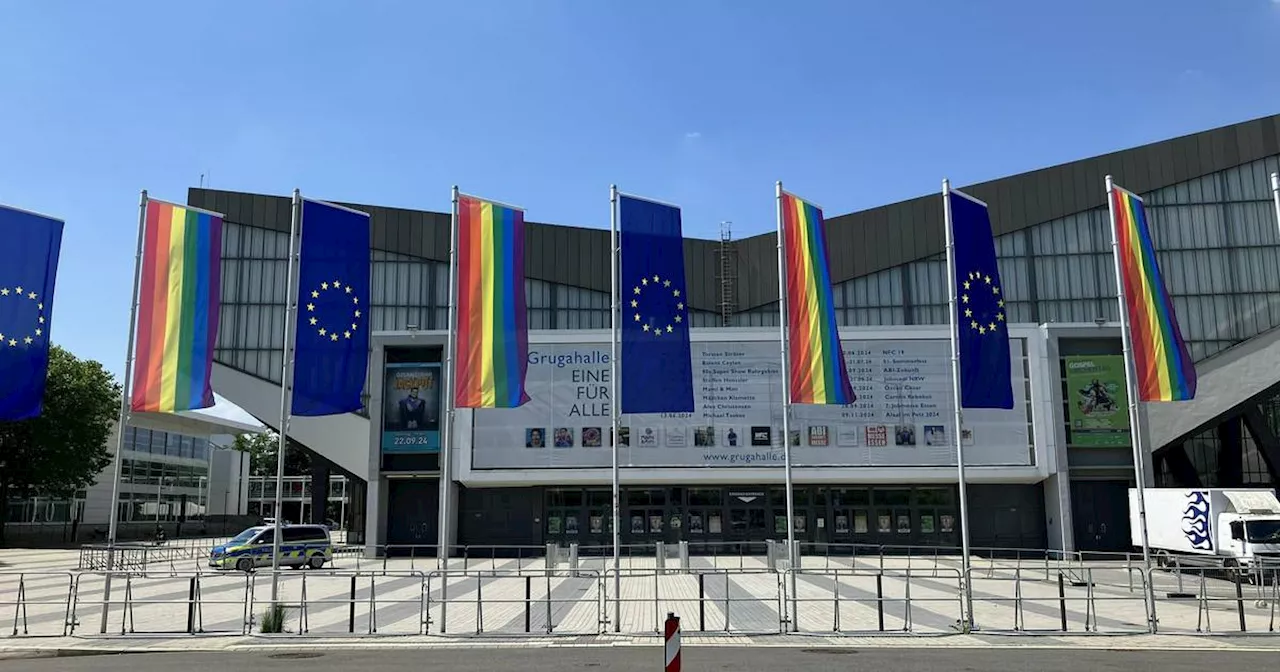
705, 579
839, 601
1221, 590
22, 602
586, 581
1057, 596
877, 592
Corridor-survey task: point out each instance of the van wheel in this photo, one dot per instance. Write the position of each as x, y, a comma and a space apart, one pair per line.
315, 561
244, 565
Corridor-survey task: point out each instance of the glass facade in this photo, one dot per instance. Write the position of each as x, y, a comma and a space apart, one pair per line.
164, 477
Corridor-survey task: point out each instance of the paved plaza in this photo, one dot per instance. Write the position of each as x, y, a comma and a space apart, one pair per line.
42, 594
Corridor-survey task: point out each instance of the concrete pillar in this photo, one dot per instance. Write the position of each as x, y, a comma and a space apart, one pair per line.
320, 469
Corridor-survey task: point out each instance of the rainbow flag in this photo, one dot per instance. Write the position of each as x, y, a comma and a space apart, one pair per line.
818, 371
177, 309
493, 332
1164, 367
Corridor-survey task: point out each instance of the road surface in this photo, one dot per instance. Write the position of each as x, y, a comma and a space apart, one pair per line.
627, 659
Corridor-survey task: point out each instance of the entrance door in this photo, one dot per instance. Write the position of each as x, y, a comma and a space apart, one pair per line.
1100, 514
413, 506
748, 518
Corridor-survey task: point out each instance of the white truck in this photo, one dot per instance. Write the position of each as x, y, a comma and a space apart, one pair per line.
1227, 527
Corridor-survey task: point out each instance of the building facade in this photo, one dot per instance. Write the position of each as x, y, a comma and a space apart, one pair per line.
1209, 203
169, 477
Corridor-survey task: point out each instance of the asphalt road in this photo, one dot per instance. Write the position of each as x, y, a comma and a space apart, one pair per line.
743, 659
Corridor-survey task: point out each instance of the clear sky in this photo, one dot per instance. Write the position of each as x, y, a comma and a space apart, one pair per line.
544, 103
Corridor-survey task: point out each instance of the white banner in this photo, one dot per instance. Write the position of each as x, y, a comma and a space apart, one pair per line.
903, 417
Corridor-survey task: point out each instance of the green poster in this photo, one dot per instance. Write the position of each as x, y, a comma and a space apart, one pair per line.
1099, 406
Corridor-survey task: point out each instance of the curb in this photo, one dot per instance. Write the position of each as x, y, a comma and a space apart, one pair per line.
267, 645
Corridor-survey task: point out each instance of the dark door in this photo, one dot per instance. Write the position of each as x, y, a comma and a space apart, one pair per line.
413, 508
1100, 513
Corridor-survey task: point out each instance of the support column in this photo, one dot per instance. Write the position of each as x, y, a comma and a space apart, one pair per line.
1180, 466
1230, 453
320, 469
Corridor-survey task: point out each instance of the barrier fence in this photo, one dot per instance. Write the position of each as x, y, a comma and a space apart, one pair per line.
1109, 598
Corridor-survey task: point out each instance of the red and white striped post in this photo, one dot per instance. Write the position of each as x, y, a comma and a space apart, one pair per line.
672, 637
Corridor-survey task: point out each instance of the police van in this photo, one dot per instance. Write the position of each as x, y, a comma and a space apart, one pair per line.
300, 546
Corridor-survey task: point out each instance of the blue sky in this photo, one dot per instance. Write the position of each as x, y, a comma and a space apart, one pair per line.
704, 103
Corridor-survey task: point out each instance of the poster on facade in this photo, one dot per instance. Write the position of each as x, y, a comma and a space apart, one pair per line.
903, 416
411, 407
1099, 404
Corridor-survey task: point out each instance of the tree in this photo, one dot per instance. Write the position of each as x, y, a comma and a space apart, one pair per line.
262, 454
64, 449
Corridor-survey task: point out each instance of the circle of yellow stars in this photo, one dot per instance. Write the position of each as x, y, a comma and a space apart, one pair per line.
657, 282
325, 331
978, 282
19, 292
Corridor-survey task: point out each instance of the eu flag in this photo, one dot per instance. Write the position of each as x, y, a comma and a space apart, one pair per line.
657, 374
28, 268
981, 318
331, 355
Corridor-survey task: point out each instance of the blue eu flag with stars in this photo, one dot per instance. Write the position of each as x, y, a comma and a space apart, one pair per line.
657, 373
28, 269
981, 318
331, 351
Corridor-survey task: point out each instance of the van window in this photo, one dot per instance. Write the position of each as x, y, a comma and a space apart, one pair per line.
1237, 530
266, 537
297, 533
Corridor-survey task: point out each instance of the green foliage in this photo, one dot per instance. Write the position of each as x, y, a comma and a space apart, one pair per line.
273, 620
262, 454
64, 449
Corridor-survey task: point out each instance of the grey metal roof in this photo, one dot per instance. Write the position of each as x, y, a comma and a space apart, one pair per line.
861, 243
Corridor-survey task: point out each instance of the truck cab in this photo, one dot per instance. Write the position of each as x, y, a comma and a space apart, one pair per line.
1250, 539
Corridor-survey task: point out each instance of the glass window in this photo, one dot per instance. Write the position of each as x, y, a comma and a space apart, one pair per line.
706, 497
157, 443
893, 497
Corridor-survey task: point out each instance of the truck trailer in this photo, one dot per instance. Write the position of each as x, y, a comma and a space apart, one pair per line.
1226, 527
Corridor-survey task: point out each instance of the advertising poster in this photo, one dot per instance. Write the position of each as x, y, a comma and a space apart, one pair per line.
1099, 404
411, 407
903, 415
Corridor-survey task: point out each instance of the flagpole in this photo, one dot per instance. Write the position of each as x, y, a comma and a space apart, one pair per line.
286, 385
792, 556
125, 392
615, 409
450, 401
958, 418
451, 404
1135, 417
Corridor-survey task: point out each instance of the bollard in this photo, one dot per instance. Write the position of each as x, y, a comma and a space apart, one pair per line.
660, 556
351, 608
528, 597
880, 599
672, 647
553, 555
1240, 599
702, 604
191, 606
684, 556
770, 555
1062, 601
573, 558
